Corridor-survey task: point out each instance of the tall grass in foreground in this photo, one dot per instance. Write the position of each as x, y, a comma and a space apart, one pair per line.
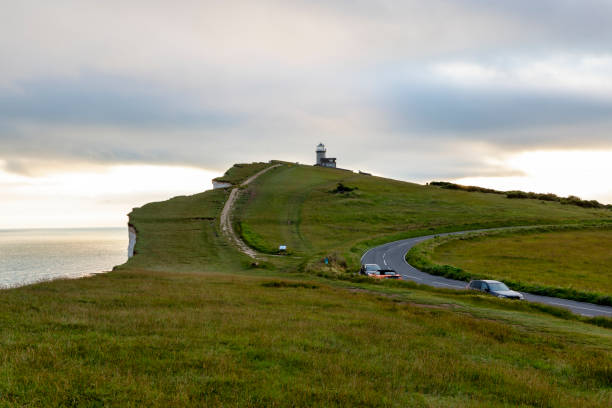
168, 339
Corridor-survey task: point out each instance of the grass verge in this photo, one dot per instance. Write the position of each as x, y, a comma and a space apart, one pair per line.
530, 260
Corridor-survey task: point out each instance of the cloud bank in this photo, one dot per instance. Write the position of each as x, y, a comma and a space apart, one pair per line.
207, 84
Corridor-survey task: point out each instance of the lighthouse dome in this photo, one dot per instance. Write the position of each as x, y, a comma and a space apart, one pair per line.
321, 147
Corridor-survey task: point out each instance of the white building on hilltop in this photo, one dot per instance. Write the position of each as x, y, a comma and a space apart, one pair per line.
322, 160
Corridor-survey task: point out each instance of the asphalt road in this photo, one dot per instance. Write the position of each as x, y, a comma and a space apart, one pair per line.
392, 256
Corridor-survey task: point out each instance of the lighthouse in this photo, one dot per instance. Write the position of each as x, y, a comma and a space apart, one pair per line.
322, 160
320, 153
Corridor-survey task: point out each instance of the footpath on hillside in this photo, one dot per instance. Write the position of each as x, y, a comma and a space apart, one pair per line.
226, 216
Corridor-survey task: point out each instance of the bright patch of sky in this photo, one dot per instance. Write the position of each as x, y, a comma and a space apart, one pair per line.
564, 173
100, 198
583, 74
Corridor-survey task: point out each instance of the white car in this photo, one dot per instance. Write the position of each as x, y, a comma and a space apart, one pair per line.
370, 269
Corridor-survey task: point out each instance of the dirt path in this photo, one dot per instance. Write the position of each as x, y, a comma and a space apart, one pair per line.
226, 217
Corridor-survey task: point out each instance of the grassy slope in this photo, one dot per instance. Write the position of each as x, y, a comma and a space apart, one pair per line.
292, 205
203, 330
182, 234
577, 259
175, 339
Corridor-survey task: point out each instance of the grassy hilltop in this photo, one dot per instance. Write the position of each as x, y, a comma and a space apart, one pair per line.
189, 322
299, 206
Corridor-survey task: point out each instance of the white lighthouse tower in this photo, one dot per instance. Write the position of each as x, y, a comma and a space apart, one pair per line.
322, 160
320, 154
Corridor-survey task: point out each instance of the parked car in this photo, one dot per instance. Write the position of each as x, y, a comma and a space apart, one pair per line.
494, 288
370, 269
387, 274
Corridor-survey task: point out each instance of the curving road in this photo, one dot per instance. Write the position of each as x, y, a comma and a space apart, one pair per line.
392, 255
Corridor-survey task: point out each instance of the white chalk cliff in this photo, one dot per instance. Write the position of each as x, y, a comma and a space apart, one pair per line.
132, 241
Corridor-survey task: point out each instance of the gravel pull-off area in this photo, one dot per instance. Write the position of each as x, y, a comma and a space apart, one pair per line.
226, 217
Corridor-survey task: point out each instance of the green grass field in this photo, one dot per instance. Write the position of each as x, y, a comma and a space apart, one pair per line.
189, 322
183, 234
138, 338
576, 259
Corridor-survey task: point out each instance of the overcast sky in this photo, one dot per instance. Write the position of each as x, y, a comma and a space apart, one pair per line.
509, 94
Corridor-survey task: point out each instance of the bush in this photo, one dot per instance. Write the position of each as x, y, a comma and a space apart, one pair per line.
453, 186
571, 200
600, 321
341, 188
336, 265
516, 194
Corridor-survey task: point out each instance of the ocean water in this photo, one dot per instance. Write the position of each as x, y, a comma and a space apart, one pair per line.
33, 255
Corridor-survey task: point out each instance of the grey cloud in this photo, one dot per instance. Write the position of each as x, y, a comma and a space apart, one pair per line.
415, 117
399, 29
94, 98
567, 23
444, 108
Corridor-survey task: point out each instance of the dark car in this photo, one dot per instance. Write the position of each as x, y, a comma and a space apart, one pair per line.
370, 269
494, 288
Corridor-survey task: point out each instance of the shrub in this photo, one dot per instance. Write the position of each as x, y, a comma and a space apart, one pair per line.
516, 194
341, 188
600, 321
453, 186
336, 265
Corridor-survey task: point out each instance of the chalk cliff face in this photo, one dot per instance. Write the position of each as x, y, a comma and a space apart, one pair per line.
132, 241
220, 184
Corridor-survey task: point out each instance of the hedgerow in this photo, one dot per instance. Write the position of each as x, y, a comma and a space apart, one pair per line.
517, 194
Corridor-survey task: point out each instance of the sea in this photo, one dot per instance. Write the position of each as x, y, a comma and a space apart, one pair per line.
32, 255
